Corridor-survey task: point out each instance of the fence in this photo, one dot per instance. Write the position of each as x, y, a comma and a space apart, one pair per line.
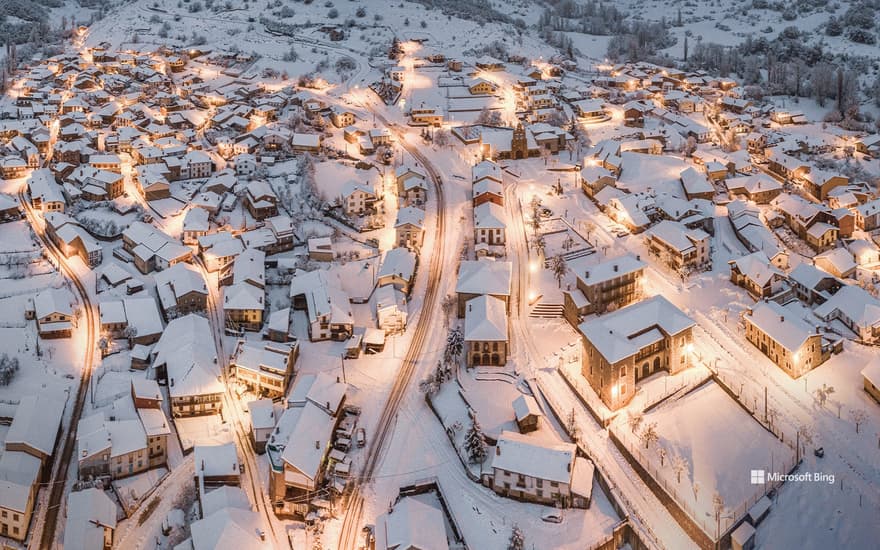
713, 527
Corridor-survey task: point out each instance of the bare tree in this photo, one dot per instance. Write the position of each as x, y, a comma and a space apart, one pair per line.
634, 420
822, 394
859, 416
679, 466
649, 434
560, 269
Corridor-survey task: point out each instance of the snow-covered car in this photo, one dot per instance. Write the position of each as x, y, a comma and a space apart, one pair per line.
553, 516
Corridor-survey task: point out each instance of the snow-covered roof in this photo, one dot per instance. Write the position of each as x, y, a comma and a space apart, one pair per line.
322, 389
840, 258
400, 262
303, 436
484, 277
186, 348
88, 512
228, 528
410, 215
524, 406
216, 460
414, 524
250, 266
486, 169
36, 422
489, 216
262, 413
226, 496
855, 303
324, 295
485, 319
871, 372
779, 323
605, 270
53, 300
620, 334
756, 267
677, 235
522, 454
19, 471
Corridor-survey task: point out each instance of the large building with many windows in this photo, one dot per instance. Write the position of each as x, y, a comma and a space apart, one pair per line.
632, 343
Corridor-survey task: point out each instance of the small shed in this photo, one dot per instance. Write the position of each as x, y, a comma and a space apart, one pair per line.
374, 340
743, 537
528, 414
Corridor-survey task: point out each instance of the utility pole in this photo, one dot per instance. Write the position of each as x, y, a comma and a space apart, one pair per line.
342, 358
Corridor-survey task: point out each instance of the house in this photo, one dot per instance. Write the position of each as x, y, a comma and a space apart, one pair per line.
868, 215
485, 331
412, 186
341, 117
594, 178
678, 247
73, 239
186, 358
695, 184
321, 249
297, 452
91, 520
608, 285
216, 465
35, 426
488, 190
757, 275
426, 115
837, 261
486, 169
327, 304
358, 199
182, 290
785, 337
157, 430
479, 277
115, 448
818, 183
751, 231
409, 227
871, 377
527, 413
226, 520
195, 224
527, 469
412, 525
260, 200
264, 367
322, 390
19, 483
391, 310
263, 415
54, 313
398, 269
306, 143
151, 248
243, 306
812, 285
489, 224
45, 193
480, 86
625, 346
758, 188
865, 253
856, 309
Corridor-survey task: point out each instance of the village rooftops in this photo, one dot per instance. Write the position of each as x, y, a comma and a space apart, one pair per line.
216, 460
607, 270
322, 389
676, 235
36, 422
414, 524
485, 319
522, 454
302, 434
625, 332
228, 527
186, 348
855, 303
88, 513
399, 262
790, 330
484, 277
756, 267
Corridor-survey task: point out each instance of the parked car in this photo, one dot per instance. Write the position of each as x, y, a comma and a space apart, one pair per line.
819, 452
361, 437
553, 516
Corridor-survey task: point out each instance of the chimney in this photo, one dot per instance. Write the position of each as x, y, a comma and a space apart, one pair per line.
203, 466
615, 268
782, 318
497, 450
317, 444
586, 274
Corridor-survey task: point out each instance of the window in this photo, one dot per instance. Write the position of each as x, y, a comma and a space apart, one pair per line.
623, 372
539, 483
623, 389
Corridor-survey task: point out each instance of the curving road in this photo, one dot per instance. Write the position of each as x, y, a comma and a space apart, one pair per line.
355, 504
58, 481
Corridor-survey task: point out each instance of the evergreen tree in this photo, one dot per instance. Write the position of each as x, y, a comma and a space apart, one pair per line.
475, 443
517, 539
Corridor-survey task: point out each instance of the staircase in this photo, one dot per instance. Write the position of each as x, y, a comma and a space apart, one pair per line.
543, 310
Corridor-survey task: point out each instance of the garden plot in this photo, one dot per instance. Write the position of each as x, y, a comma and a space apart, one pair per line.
707, 438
